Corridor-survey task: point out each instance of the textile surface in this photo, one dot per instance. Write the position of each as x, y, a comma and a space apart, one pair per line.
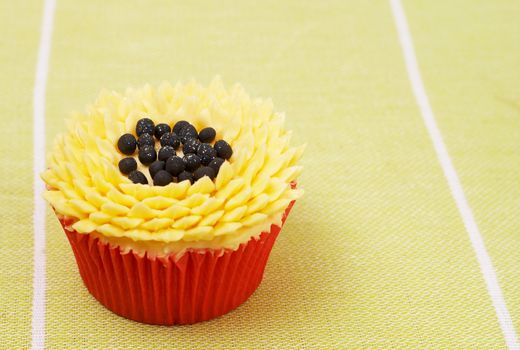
376, 254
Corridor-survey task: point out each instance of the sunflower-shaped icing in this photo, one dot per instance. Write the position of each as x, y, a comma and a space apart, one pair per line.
251, 190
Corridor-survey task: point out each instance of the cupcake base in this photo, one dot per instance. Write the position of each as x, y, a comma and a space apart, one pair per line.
200, 285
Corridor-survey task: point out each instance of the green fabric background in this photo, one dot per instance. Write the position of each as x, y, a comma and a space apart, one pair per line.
375, 255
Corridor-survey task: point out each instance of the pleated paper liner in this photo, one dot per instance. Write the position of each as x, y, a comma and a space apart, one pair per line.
200, 285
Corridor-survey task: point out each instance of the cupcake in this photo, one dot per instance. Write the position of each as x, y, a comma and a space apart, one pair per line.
172, 197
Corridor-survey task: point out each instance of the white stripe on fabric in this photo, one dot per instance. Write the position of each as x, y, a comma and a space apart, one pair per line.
42, 69
457, 192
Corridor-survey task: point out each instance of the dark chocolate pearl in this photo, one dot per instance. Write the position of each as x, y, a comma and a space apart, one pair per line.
192, 161
166, 152
203, 171
185, 175
145, 139
206, 153
138, 177
160, 130
147, 154
223, 149
191, 145
127, 165
179, 126
170, 139
144, 126
187, 132
175, 165
155, 167
207, 135
215, 164
127, 144
162, 178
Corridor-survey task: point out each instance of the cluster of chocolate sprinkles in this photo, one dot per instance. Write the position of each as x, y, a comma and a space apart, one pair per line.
200, 157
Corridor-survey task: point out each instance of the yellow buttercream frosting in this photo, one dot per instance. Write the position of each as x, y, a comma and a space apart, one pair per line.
250, 192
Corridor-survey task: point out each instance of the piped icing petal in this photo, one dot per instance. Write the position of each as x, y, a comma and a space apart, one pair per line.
250, 192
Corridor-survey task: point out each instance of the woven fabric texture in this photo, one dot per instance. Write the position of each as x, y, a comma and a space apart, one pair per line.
375, 255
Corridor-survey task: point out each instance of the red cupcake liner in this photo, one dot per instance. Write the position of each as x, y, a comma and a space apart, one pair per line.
200, 285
